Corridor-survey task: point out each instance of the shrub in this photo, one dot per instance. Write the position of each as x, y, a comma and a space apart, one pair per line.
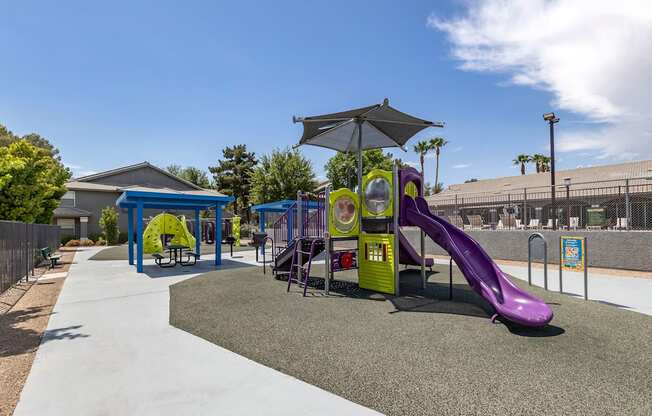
100, 242
73, 243
66, 238
109, 224
86, 243
95, 236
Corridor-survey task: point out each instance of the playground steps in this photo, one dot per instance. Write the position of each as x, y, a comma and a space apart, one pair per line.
304, 250
283, 260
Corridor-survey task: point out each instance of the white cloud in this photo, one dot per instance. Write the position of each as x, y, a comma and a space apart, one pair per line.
78, 170
461, 166
593, 56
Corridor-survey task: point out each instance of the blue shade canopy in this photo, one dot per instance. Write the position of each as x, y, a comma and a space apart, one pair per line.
163, 198
280, 206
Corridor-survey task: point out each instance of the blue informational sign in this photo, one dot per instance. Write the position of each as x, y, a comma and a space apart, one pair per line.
573, 253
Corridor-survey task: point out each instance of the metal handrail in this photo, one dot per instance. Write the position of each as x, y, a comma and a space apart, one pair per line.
530, 239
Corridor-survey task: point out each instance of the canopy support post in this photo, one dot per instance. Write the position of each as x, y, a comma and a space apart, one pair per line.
130, 232
139, 235
218, 234
197, 233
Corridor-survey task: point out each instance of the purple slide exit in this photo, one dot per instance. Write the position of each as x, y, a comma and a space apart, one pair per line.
483, 275
408, 255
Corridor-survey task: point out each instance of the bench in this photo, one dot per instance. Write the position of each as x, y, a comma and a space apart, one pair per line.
53, 259
191, 255
158, 259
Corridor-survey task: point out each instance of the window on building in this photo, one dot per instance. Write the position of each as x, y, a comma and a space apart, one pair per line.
68, 199
67, 226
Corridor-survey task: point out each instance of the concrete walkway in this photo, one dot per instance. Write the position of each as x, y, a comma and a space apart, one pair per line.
110, 350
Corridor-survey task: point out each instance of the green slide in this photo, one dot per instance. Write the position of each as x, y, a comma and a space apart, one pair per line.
166, 224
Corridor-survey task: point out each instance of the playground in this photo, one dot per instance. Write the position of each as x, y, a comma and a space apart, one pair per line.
333, 310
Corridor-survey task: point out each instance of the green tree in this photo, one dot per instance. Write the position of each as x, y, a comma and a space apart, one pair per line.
438, 188
109, 224
232, 176
190, 174
537, 158
31, 181
280, 175
522, 160
427, 189
176, 170
341, 169
437, 143
422, 148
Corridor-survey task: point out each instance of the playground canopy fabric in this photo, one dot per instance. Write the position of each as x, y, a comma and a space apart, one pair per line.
382, 126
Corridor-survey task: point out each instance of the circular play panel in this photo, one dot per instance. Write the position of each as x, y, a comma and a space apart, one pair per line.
377, 195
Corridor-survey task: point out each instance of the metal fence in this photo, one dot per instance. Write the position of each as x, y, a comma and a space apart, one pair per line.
622, 204
20, 245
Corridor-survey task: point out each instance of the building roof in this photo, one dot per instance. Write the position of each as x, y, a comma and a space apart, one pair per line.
584, 176
136, 166
90, 186
70, 212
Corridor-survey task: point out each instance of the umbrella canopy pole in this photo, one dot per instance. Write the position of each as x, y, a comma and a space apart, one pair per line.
359, 122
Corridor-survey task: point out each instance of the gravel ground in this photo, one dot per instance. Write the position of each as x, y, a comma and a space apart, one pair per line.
122, 252
417, 355
21, 329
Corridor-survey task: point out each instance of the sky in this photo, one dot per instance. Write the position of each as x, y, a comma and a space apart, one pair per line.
116, 83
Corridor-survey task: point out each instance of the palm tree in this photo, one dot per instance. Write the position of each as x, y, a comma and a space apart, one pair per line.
422, 148
437, 143
522, 160
545, 164
538, 159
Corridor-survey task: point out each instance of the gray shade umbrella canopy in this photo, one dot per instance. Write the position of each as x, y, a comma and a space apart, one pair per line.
374, 127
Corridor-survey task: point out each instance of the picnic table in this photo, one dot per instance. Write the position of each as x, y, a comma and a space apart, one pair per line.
177, 250
176, 256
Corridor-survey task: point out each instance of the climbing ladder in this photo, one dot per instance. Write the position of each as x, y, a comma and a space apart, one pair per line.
302, 260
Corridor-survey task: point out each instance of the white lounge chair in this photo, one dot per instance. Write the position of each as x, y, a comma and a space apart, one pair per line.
534, 223
621, 224
574, 223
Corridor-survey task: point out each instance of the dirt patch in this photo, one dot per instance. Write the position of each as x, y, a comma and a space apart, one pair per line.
21, 330
12, 295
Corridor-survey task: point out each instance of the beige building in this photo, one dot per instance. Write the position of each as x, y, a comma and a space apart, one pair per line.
608, 196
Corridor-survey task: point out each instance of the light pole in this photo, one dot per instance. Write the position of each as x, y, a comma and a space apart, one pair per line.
567, 183
551, 119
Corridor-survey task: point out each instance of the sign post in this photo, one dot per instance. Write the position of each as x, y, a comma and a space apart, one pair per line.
573, 257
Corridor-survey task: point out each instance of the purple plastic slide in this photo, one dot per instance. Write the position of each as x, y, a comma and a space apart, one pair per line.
408, 255
483, 275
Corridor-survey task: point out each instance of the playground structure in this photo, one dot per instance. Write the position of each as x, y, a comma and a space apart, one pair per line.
230, 230
166, 224
311, 226
372, 217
